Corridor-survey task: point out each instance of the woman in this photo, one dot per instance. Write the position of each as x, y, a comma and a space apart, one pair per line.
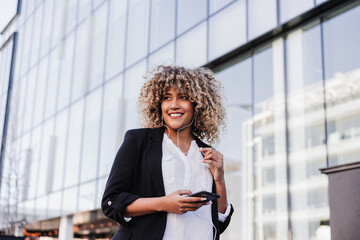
157, 167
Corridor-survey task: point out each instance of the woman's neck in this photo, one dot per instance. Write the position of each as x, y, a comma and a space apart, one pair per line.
181, 138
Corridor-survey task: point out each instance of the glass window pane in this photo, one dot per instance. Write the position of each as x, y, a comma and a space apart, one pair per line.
74, 143
97, 3
137, 34
238, 109
227, 29
69, 201
30, 8
60, 149
133, 83
262, 16
70, 15
101, 188
342, 68
81, 62
191, 47
54, 205
116, 38
36, 34
306, 132
45, 171
40, 91
82, 54
30, 96
269, 144
87, 197
57, 32
41, 208
66, 69
218, 4
112, 122
190, 13
98, 30
21, 104
318, 2
164, 56
162, 23
25, 156
290, 9
27, 46
84, 9
89, 164
47, 27
52, 87
35, 156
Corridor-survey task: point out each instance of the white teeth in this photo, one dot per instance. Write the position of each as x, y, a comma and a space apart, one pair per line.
175, 114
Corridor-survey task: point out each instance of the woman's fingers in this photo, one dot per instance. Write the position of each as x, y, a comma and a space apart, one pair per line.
183, 192
193, 199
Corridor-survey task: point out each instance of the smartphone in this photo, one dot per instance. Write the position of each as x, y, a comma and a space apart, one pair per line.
208, 195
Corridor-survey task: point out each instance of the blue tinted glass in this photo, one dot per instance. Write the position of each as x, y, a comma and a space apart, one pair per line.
87, 197
262, 16
74, 143
290, 9
66, 72
318, 2
162, 22
191, 47
97, 48
111, 124
263, 78
218, 4
163, 56
137, 34
342, 69
70, 200
306, 130
91, 137
190, 13
227, 29
341, 43
60, 148
116, 38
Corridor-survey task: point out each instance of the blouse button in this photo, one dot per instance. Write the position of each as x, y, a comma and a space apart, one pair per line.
109, 203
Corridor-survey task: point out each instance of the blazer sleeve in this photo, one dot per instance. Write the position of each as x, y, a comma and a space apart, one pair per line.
117, 195
224, 225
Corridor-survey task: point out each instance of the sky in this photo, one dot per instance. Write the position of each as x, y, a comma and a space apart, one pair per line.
7, 12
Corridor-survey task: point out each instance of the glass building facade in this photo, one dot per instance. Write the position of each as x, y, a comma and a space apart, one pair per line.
75, 69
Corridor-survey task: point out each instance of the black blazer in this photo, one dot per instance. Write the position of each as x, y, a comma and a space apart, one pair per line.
136, 172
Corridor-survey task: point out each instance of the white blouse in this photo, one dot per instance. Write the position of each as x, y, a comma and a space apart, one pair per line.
182, 172
187, 172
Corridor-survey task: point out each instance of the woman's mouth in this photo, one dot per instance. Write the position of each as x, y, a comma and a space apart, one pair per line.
175, 114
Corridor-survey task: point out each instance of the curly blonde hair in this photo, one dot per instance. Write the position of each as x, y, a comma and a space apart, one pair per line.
199, 84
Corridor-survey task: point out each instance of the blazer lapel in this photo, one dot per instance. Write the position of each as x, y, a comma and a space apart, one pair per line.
154, 158
199, 142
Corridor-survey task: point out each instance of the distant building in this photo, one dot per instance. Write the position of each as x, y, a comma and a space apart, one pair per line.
70, 74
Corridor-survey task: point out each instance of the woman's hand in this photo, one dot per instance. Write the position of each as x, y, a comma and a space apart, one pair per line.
216, 164
215, 161
179, 204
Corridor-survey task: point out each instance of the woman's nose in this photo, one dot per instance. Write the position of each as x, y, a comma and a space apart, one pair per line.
174, 104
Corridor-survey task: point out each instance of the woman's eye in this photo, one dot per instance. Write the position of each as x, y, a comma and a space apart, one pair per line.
166, 98
184, 97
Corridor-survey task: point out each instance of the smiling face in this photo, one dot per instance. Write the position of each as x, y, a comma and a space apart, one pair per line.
176, 108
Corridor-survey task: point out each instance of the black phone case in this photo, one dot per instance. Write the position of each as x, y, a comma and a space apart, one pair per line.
209, 196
